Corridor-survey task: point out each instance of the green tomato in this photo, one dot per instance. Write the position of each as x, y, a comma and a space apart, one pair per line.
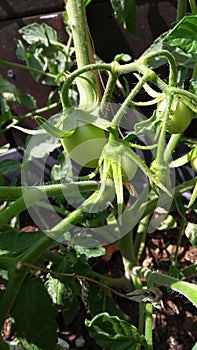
129, 168
180, 116
85, 145
194, 164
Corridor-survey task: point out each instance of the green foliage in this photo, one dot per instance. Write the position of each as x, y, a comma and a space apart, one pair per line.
63, 291
10, 95
14, 243
191, 233
8, 165
44, 53
125, 11
33, 306
66, 277
114, 333
105, 303
183, 35
194, 347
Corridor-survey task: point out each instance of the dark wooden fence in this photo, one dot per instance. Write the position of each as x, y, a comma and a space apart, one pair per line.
153, 17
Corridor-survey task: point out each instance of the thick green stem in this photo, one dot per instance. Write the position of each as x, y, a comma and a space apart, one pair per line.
181, 9
14, 192
79, 27
174, 139
148, 326
179, 238
17, 207
33, 194
127, 249
37, 250
162, 137
193, 7
116, 282
111, 83
140, 239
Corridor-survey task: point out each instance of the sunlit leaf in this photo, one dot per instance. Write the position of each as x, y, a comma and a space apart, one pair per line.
183, 35
36, 32
191, 233
113, 333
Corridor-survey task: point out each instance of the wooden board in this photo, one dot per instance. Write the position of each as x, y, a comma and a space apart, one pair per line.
21, 78
10, 9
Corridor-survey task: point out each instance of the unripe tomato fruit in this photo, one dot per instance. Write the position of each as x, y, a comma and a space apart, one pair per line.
85, 145
180, 116
129, 168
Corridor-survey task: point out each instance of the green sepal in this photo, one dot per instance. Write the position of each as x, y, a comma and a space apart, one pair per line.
193, 196
181, 161
53, 130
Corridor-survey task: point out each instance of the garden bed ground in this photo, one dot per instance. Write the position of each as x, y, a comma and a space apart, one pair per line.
175, 325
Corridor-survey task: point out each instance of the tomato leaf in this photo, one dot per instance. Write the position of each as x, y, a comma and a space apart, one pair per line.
191, 233
143, 127
15, 243
41, 33
125, 11
34, 315
8, 165
7, 87
63, 291
86, 2
104, 301
27, 101
3, 345
113, 333
183, 35
194, 347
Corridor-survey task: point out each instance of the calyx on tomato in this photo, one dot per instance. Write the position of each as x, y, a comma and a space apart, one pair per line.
128, 168
85, 145
180, 116
193, 160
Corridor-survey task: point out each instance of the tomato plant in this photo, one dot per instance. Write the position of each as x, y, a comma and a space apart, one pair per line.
193, 160
85, 213
180, 116
85, 145
128, 168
